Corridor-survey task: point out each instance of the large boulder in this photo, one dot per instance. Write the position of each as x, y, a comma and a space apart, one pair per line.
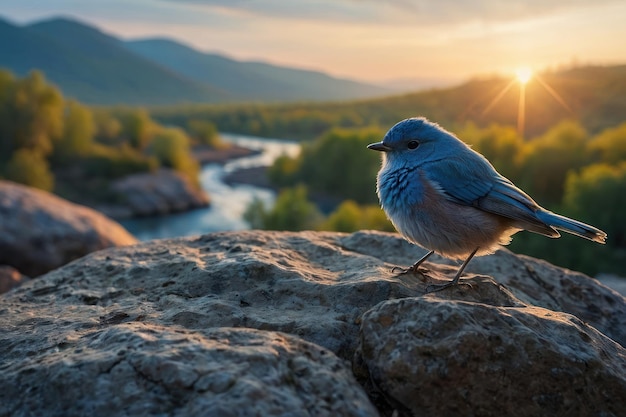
151, 194
139, 327
40, 231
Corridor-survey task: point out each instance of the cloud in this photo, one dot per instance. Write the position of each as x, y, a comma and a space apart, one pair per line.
423, 12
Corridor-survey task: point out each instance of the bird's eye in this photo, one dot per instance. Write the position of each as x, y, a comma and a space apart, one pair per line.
413, 144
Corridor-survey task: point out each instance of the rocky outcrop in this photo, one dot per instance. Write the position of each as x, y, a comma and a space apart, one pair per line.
162, 192
40, 232
269, 322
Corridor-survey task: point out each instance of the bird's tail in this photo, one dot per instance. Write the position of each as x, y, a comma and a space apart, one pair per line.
572, 226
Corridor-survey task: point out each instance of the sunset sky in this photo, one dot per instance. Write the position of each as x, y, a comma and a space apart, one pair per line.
367, 40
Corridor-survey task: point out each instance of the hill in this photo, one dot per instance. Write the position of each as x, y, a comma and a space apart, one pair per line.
593, 95
98, 68
93, 67
250, 80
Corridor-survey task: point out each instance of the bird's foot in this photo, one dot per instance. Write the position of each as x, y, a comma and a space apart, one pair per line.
413, 269
439, 287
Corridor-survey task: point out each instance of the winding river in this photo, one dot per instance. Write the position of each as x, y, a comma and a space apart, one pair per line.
228, 203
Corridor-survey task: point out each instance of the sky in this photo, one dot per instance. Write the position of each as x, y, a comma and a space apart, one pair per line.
436, 41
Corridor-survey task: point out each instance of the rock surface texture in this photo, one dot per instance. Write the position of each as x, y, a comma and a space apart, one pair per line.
308, 324
163, 192
40, 232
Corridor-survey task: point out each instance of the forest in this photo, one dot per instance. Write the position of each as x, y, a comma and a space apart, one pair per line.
58, 144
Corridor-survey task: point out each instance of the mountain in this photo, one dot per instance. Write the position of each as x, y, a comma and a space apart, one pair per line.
93, 67
97, 68
250, 80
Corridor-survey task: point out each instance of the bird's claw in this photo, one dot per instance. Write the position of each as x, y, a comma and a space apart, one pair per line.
413, 269
439, 287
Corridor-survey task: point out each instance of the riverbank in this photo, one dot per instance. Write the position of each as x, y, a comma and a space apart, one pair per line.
208, 155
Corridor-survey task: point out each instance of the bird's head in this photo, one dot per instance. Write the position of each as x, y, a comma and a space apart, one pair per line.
416, 140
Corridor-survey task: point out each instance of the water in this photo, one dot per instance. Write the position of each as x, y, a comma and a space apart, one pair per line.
228, 203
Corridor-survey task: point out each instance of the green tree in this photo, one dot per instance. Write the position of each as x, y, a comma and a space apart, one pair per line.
337, 164
549, 158
501, 145
31, 115
350, 217
205, 133
598, 195
609, 146
138, 127
292, 211
29, 167
171, 148
78, 132
108, 127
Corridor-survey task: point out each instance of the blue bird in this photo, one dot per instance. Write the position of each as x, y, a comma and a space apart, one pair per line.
444, 196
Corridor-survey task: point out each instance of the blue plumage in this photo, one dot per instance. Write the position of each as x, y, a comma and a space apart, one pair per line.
446, 197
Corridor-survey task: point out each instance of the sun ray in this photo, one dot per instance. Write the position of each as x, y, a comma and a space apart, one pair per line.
554, 94
498, 97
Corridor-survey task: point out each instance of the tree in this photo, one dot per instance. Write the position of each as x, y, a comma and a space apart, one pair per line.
205, 133
292, 211
337, 164
350, 217
138, 127
31, 115
78, 132
598, 195
609, 146
171, 148
549, 158
501, 145
29, 167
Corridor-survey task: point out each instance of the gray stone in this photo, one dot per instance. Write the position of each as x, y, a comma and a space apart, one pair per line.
315, 286
137, 369
162, 192
433, 357
40, 231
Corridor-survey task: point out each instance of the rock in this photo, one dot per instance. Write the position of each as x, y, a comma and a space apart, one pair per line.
163, 192
317, 287
40, 232
138, 369
10, 278
433, 357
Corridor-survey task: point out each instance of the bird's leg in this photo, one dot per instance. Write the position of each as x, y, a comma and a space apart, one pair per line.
413, 268
455, 280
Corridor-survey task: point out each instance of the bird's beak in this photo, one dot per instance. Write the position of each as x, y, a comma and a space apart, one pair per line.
379, 146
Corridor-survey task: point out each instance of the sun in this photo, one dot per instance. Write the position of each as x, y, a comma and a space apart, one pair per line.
523, 74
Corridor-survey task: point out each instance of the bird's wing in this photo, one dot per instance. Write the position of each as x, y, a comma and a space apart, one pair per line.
479, 185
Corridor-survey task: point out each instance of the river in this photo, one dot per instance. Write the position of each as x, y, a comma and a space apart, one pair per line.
228, 203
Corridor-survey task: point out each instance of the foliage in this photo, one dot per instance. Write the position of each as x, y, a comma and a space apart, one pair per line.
501, 145
109, 162
77, 134
38, 127
548, 158
338, 164
598, 194
350, 217
31, 115
138, 127
29, 167
205, 133
292, 211
170, 146
609, 146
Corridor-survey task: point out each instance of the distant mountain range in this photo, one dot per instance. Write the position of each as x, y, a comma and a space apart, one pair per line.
97, 68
